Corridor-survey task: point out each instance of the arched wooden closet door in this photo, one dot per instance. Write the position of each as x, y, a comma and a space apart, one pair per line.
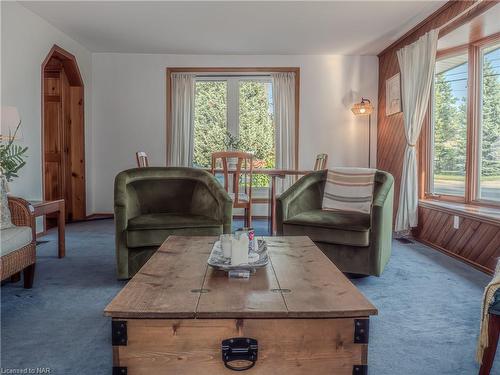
63, 146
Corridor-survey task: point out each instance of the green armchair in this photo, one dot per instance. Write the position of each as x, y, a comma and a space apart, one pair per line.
154, 203
357, 243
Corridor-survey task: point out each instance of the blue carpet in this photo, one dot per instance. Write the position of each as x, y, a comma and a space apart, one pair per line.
429, 308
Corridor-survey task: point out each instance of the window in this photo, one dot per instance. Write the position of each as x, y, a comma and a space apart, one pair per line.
489, 141
256, 130
210, 120
449, 126
234, 112
463, 155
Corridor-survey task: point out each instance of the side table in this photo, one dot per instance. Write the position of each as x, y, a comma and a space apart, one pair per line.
43, 208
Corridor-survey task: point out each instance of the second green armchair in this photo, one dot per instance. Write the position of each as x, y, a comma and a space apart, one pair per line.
154, 203
357, 243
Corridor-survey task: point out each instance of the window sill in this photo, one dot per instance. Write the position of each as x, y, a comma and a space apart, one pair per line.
485, 214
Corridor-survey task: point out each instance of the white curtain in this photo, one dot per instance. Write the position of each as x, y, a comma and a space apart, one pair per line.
284, 120
180, 151
416, 62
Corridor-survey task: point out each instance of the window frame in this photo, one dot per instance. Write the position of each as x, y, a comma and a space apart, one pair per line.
474, 102
429, 184
232, 95
477, 49
227, 71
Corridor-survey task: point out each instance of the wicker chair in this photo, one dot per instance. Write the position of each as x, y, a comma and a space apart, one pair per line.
22, 259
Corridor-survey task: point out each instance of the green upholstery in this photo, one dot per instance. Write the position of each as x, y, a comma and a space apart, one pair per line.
356, 243
154, 203
171, 221
348, 228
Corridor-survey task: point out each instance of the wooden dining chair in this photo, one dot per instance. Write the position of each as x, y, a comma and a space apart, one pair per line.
142, 159
242, 175
321, 162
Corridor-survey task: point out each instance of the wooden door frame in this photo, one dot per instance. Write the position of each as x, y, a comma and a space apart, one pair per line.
228, 70
72, 71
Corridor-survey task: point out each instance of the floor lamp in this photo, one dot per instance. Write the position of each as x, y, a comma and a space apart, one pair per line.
365, 108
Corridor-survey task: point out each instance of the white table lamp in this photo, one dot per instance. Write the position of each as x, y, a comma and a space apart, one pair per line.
9, 123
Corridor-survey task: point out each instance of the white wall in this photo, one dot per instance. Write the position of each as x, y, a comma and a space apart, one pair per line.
26, 40
129, 104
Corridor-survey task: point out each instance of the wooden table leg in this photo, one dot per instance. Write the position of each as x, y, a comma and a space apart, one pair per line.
489, 352
29, 275
61, 222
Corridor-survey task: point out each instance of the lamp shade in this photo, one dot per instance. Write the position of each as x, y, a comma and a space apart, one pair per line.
365, 107
10, 119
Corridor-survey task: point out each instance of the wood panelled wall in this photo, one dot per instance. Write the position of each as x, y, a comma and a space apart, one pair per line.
391, 141
475, 241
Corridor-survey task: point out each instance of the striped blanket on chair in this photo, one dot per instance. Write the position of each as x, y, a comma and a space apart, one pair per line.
349, 189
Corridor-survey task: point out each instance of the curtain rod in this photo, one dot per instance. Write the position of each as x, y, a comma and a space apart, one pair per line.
231, 75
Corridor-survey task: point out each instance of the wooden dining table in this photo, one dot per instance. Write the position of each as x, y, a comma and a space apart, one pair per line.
273, 174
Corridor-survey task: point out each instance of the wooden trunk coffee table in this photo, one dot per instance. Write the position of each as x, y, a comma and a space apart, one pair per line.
300, 314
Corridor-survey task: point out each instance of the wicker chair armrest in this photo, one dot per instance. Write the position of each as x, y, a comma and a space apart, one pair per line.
22, 213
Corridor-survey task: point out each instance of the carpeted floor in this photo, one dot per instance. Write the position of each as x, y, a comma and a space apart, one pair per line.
429, 308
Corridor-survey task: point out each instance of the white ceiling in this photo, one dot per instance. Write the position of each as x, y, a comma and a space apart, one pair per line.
241, 27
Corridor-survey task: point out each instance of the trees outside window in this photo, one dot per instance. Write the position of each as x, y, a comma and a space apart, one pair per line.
256, 130
210, 121
234, 113
450, 125
464, 152
489, 165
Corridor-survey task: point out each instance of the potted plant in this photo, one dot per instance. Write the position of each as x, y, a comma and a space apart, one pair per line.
11, 160
12, 156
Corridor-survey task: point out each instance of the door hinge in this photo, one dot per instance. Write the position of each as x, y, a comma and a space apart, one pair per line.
361, 330
119, 332
360, 370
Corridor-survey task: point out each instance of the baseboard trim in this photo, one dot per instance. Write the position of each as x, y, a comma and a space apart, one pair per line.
100, 216
456, 256
41, 234
106, 215
241, 217
96, 216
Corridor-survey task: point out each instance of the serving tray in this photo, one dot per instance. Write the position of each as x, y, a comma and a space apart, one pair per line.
218, 261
